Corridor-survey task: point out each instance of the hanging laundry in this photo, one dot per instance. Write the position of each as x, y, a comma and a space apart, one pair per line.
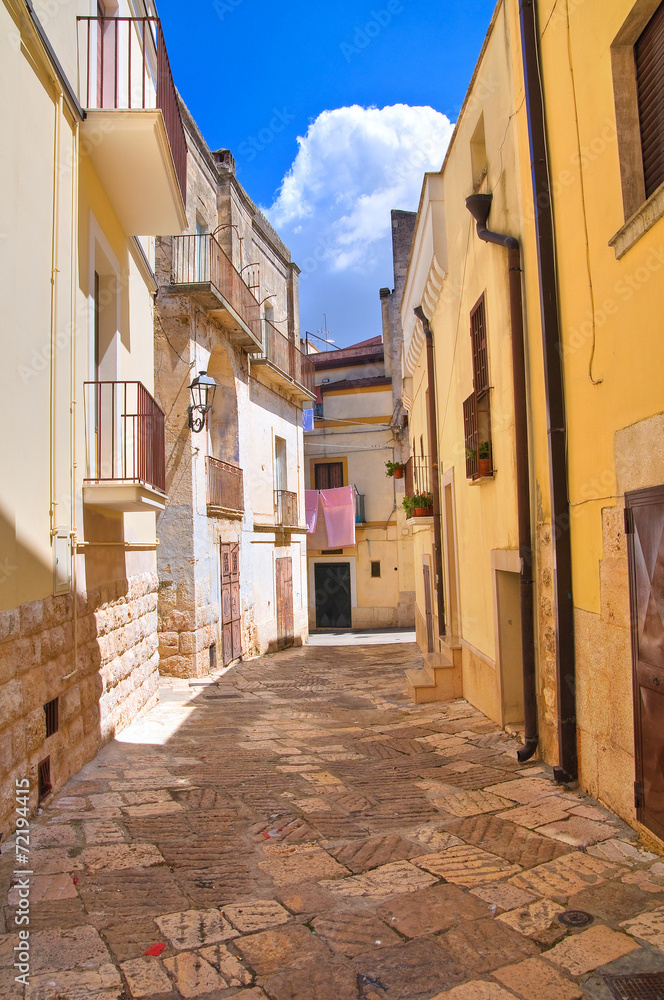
311, 500
339, 513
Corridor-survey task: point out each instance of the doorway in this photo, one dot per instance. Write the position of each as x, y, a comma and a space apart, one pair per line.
333, 595
231, 629
284, 582
644, 523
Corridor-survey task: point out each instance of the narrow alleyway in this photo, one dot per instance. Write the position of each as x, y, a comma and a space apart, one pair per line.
298, 829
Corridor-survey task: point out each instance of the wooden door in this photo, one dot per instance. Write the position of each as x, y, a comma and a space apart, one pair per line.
644, 524
333, 596
285, 620
231, 629
428, 606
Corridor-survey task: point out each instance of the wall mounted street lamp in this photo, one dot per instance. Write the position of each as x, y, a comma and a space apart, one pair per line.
202, 396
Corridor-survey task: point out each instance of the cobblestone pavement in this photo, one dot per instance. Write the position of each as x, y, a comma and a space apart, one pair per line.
298, 829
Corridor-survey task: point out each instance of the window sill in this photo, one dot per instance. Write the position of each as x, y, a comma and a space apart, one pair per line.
643, 219
486, 478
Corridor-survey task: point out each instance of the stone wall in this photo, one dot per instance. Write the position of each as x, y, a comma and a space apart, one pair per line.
186, 632
111, 633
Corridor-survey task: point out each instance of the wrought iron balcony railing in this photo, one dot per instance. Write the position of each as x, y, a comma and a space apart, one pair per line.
124, 66
417, 475
282, 352
125, 430
285, 508
225, 486
200, 260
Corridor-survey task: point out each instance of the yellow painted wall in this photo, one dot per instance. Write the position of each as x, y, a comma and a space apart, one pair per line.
613, 365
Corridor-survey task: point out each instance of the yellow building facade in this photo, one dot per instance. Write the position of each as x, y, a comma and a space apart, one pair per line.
91, 169
562, 103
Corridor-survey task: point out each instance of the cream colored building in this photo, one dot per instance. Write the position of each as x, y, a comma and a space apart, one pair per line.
358, 427
92, 168
232, 553
566, 100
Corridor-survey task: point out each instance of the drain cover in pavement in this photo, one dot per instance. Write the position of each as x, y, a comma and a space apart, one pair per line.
575, 918
647, 986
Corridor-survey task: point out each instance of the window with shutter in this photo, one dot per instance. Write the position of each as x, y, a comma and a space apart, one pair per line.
649, 59
328, 475
480, 353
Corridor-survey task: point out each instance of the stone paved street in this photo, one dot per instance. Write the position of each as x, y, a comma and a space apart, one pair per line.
296, 828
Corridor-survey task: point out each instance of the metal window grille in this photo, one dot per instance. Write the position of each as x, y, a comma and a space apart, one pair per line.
470, 435
213, 656
44, 778
51, 713
479, 344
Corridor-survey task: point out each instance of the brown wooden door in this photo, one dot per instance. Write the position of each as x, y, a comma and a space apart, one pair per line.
428, 606
644, 522
285, 621
231, 630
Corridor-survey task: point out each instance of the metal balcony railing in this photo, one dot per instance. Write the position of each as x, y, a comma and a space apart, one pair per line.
123, 65
225, 485
285, 508
417, 475
283, 353
360, 517
125, 431
200, 260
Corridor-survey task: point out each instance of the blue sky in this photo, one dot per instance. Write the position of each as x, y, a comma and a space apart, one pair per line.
257, 75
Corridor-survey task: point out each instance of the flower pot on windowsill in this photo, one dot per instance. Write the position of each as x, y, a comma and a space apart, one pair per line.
484, 466
398, 472
421, 511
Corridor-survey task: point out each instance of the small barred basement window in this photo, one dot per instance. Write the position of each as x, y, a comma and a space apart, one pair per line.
51, 713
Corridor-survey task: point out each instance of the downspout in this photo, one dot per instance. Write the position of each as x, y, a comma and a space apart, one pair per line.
567, 769
432, 430
479, 206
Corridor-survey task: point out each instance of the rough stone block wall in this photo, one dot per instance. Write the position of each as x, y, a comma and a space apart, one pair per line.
185, 633
546, 632
116, 680
604, 679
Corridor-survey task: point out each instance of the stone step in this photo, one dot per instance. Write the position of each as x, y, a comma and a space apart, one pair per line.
421, 688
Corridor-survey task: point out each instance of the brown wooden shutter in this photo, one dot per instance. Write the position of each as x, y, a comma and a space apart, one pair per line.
480, 354
328, 475
649, 56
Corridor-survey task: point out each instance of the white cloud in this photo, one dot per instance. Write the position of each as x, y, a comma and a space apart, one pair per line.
353, 166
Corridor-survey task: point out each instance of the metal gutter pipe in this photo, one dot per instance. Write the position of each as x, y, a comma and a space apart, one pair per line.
432, 429
567, 769
479, 206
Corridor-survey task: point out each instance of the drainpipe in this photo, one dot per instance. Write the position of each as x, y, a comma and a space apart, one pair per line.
479, 206
567, 769
432, 430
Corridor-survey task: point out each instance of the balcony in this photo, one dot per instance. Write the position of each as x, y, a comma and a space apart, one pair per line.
285, 509
283, 364
360, 517
225, 489
417, 475
126, 462
133, 132
200, 266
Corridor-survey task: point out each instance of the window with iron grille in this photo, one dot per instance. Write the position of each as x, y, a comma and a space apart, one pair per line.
375, 568
51, 713
328, 475
44, 778
649, 59
477, 408
470, 435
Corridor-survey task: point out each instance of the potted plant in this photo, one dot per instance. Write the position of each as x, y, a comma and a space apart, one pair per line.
394, 469
422, 504
484, 455
407, 504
